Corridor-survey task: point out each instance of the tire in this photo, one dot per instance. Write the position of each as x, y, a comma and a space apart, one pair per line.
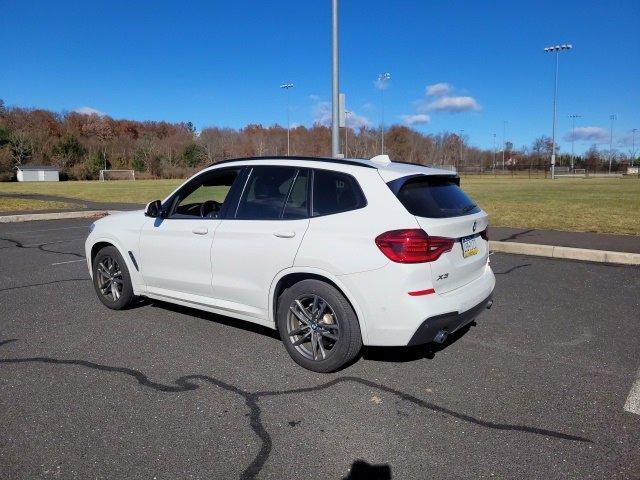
335, 328
109, 260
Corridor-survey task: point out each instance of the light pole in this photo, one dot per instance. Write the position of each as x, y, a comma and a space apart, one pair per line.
556, 49
286, 87
383, 78
504, 140
573, 134
612, 118
335, 126
461, 146
633, 145
346, 131
494, 153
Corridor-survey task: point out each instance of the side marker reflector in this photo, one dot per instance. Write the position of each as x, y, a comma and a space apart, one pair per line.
417, 293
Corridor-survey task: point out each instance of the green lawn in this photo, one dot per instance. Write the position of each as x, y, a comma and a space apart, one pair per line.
8, 205
593, 205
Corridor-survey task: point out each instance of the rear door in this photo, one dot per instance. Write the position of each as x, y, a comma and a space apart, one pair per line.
443, 210
260, 237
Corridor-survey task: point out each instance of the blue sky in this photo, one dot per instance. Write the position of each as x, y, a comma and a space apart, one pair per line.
221, 63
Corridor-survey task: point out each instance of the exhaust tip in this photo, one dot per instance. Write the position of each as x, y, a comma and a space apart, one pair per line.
441, 336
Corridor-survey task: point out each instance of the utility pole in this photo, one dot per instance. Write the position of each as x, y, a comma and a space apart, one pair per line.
335, 128
612, 118
461, 147
383, 78
573, 135
286, 87
633, 148
557, 49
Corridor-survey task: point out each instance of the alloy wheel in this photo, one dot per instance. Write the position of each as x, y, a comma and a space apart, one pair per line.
312, 327
110, 280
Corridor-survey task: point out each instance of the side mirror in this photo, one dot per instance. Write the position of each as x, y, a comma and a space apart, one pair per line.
153, 209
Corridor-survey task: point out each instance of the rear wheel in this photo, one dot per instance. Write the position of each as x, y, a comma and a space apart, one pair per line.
111, 279
318, 327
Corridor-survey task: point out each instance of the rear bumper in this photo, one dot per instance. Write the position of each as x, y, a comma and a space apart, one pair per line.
447, 322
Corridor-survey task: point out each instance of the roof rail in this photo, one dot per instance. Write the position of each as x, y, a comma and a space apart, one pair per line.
284, 157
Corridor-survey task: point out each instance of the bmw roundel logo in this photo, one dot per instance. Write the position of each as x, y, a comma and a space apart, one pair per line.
475, 223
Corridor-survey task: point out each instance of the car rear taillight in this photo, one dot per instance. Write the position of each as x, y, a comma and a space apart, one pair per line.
485, 234
412, 246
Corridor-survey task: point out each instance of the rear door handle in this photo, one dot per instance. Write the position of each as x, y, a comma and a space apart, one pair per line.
285, 234
200, 230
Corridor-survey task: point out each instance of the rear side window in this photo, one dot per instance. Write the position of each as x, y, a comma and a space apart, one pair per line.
335, 192
433, 196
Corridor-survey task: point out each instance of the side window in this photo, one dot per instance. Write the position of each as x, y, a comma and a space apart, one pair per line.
205, 195
266, 192
335, 192
297, 205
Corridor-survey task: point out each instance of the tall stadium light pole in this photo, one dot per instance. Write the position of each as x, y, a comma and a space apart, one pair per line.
573, 135
504, 140
494, 153
612, 118
335, 126
633, 146
287, 87
383, 78
557, 49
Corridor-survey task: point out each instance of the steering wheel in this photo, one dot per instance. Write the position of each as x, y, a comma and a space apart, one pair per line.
208, 207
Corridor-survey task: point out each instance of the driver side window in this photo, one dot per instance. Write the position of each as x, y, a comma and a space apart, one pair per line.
205, 195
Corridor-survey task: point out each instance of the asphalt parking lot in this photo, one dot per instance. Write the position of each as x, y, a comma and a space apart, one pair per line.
535, 390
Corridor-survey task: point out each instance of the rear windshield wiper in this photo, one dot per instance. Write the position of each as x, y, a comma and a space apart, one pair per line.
469, 207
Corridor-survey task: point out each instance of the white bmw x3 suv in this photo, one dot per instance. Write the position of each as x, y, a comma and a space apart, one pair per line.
334, 254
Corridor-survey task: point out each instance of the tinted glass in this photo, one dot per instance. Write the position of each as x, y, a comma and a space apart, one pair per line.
297, 203
433, 197
204, 196
265, 193
335, 192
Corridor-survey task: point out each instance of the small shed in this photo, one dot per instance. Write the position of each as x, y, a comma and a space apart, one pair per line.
38, 173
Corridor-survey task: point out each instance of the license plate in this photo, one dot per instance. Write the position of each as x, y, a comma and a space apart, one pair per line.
469, 247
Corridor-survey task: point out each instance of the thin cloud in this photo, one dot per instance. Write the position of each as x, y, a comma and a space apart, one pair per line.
438, 89
321, 113
89, 111
417, 119
588, 134
453, 104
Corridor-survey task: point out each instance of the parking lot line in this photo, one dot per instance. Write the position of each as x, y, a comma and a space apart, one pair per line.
632, 405
70, 261
51, 243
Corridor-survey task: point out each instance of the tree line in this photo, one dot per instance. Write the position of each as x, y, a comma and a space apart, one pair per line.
81, 145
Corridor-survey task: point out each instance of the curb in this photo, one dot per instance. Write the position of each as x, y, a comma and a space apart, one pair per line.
567, 253
54, 216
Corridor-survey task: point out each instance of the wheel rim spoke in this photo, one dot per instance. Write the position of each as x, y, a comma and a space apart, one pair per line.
321, 346
300, 316
302, 339
299, 331
330, 336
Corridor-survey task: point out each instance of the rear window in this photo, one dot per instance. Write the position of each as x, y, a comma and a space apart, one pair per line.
433, 196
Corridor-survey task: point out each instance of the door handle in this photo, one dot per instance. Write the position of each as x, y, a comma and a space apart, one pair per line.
285, 234
200, 230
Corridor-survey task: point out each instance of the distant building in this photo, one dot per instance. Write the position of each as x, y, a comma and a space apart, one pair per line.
37, 173
632, 170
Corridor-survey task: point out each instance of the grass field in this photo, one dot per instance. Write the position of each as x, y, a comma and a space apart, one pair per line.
590, 205
21, 204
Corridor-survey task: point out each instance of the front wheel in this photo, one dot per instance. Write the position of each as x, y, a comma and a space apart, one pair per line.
318, 326
111, 279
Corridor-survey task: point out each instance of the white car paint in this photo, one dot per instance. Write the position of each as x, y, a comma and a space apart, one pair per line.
232, 267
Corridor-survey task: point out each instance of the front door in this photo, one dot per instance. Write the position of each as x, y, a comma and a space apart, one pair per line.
175, 251
260, 239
